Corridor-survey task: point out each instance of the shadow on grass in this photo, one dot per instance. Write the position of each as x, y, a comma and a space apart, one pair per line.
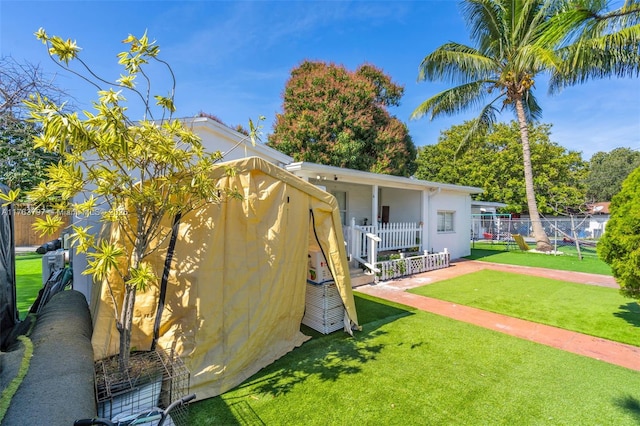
324, 357
328, 357
631, 404
27, 256
477, 254
630, 313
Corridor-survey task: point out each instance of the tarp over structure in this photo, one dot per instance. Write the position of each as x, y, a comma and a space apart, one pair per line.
235, 294
8, 308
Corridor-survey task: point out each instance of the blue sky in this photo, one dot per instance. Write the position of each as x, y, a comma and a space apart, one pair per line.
232, 59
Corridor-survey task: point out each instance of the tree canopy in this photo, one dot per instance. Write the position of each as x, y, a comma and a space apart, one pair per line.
338, 117
495, 164
607, 171
620, 244
22, 166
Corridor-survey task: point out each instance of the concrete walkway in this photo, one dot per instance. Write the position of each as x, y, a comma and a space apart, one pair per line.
605, 350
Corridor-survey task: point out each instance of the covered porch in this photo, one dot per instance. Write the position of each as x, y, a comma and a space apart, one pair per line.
391, 250
389, 219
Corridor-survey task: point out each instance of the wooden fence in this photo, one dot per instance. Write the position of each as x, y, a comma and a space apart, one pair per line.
24, 234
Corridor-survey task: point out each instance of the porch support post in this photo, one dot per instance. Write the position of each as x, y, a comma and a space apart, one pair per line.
373, 255
374, 207
426, 223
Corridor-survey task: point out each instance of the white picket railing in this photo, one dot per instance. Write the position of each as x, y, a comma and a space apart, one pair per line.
395, 268
393, 236
366, 241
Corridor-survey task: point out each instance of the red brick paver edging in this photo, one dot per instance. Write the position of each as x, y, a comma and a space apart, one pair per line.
605, 350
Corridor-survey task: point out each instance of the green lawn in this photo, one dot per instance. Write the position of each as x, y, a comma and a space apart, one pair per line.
409, 367
597, 311
28, 281
412, 367
569, 262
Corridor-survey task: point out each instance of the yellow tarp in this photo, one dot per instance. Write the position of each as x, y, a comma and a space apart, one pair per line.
236, 292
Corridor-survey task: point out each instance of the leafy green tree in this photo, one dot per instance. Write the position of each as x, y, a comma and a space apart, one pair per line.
607, 170
516, 40
620, 244
21, 165
496, 166
336, 117
139, 175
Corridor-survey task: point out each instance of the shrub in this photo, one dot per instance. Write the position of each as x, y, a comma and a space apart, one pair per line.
620, 244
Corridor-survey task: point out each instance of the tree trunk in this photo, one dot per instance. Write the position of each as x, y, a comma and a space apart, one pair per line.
127, 322
542, 240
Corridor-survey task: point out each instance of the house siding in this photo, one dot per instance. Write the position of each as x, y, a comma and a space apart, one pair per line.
404, 205
456, 242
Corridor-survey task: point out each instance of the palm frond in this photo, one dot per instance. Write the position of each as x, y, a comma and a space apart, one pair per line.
610, 55
597, 43
485, 24
453, 101
456, 63
532, 108
479, 127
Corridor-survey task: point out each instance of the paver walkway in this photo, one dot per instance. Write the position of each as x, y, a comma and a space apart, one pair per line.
605, 350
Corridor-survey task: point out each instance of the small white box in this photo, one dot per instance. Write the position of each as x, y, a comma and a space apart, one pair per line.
318, 270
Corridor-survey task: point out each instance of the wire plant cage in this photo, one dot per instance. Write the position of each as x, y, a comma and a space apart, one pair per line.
154, 379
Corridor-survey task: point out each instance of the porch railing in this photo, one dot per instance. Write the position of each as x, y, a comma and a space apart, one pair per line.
364, 242
395, 268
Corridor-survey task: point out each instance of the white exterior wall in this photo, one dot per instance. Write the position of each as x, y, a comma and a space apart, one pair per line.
404, 205
458, 241
358, 198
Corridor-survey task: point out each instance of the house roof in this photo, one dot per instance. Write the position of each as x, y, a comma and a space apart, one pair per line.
238, 142
496, 204
324, 172
598, 208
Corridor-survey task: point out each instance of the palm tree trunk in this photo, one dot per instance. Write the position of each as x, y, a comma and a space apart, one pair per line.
542, 240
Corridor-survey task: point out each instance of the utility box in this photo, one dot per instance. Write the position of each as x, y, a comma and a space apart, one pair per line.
318, 271
52, 261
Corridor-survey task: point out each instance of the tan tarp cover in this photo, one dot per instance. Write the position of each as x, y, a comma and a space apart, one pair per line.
236, 292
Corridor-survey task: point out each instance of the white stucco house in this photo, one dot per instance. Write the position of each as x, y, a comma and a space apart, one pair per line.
380, 213
404, 212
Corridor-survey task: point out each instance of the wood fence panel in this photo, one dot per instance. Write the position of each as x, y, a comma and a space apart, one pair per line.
25, 235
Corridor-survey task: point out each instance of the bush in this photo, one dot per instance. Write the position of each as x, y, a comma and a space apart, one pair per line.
620, 244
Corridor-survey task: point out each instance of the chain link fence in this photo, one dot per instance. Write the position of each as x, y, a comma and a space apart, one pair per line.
571, 235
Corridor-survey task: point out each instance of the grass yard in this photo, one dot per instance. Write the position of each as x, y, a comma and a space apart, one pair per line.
597, 311
496, 253
410, 367
28, 281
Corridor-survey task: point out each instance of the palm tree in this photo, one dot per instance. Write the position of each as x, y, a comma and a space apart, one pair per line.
498, 74
572, 40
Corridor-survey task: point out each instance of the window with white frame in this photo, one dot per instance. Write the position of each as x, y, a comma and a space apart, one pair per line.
445, 221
